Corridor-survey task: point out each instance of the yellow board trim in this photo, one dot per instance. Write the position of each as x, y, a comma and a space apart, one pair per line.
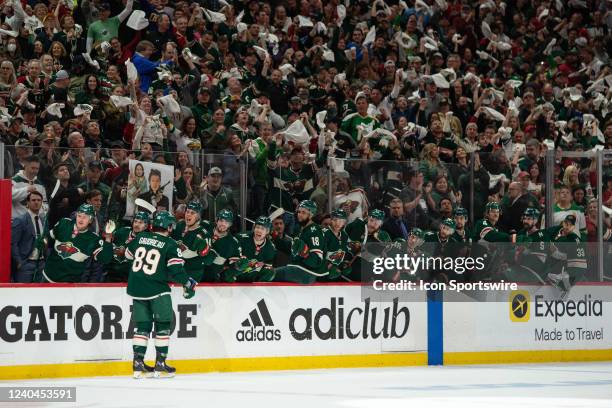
527, 356
108, 368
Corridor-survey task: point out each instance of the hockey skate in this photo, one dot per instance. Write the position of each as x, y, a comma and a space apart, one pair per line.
163, 370
141, 369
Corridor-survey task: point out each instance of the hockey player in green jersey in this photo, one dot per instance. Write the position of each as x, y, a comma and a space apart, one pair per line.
364, 232
194, 241
462, 234
416, 238
335, 242
259, 251
441, 244
485, 234
529, 260
307, 251
119, 268
567, 257
486, 230
74, 245
156, 260
227, 261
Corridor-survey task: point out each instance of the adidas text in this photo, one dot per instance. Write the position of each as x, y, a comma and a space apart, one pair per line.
259, 334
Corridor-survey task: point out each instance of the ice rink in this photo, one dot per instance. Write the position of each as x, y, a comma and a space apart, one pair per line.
542, 385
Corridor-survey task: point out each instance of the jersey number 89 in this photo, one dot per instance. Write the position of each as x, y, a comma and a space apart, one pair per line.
146, 260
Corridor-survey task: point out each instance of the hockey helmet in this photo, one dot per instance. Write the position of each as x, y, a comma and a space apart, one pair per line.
163, 219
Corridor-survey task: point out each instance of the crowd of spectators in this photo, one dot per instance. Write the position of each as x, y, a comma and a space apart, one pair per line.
412, 107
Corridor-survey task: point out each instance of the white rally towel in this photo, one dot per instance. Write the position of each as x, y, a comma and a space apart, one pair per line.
132, 73
120, 101
297, 133
493, 113
82, 108
138, 20
261, 53
213, 16
370, 37
305, 22
320, 118
55, 109
169, 105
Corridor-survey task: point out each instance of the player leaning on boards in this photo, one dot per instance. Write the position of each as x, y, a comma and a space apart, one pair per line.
335, 242
258, 252
73, 246
157, 260
119, 269
306, 263
193, 238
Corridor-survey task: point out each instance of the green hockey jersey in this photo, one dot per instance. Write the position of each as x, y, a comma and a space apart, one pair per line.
156, 261
260, 258
226, 251
336, 252
532, 252
570, 254
485, 231
435, 246
312, 236
351, 122
195, 248
72, 251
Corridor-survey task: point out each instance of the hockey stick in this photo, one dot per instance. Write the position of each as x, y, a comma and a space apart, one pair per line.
139, 202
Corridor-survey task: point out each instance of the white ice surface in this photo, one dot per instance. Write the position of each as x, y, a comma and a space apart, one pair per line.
587, 385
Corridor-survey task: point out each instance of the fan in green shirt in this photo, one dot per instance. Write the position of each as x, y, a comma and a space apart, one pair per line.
353, 122
106, 27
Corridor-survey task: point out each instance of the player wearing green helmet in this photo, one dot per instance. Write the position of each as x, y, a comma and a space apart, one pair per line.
486, 236
194, 241
163, 221
366, 241
258, 251
156, 261
74, 245
416, 238
118, 270
486, 229
307, 256
227, 263
567, 261
441, 244
335, 241
529, 255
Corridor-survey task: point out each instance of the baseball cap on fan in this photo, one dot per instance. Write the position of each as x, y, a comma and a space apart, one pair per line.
61, 74
215, 170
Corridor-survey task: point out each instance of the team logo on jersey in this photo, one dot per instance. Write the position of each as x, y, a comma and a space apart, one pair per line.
258, 326
66, 249
519, 306
181, 246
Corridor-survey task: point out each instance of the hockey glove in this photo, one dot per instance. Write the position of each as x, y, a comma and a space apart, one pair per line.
241, 265
189, 288
299, 249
